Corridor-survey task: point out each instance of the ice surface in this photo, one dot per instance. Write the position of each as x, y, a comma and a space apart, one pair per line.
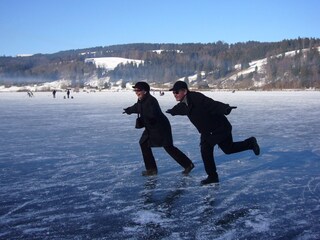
71, 169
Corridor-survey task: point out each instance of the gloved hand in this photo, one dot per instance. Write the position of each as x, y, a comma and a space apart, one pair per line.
228, 110
170, 112
125, 110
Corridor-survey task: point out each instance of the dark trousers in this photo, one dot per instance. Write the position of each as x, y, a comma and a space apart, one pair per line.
173, 151
227, 146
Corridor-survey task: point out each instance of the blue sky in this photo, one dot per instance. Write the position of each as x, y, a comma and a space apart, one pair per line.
48, 26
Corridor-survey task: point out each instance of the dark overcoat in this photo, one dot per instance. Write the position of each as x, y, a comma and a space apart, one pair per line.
206, 114
157, 126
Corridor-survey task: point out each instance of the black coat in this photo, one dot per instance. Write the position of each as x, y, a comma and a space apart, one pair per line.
157, 126
207, 115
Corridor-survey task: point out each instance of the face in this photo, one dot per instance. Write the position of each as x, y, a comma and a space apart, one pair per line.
140, 93
179, 95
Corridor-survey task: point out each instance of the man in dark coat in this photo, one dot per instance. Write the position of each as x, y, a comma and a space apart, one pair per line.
157, 131
208, 116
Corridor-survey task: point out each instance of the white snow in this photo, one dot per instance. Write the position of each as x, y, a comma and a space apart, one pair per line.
110, 63
159, 51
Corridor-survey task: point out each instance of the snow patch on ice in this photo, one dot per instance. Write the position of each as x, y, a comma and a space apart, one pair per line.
259, 224
144, 217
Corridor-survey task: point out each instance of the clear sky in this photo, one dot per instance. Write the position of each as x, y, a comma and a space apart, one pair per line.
48, 26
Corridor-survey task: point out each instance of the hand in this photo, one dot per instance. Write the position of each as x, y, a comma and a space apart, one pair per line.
228, 110
125, 110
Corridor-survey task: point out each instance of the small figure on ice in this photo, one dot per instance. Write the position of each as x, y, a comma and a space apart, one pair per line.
208, 116
30, 94
157, 131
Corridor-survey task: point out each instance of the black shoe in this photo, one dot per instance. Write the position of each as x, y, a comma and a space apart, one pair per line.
254, 145
210, 179
150, 172
188, 169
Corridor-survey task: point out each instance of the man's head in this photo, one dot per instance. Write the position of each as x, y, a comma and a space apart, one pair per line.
179, 90
141, 89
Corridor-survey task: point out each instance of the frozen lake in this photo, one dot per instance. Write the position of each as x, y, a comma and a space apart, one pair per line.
71, 169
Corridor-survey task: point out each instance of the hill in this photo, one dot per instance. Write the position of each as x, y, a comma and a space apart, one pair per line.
252, 65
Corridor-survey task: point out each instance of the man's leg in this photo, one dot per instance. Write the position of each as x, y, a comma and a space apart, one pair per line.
229, 147
148, 159
208, 161
180, 158
208, 158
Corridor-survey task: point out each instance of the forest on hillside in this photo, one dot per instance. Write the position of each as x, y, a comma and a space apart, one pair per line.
212, 62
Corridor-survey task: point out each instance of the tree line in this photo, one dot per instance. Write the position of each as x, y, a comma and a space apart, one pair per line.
215, 61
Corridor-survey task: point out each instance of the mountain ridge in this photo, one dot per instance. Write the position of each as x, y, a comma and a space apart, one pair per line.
252, 65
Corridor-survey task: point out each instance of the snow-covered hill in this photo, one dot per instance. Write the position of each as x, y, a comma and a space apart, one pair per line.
259, 66
110, 63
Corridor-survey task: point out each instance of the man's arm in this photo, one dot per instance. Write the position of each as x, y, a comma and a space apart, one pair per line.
179, 109
132, 109
216, 107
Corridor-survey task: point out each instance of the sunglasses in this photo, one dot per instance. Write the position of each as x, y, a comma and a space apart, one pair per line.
137, 90
175, 92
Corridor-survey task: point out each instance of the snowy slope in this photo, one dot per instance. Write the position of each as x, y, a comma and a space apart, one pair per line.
259, 64
110, 63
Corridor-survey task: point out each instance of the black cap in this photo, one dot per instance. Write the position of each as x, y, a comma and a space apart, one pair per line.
142, 86
178, 86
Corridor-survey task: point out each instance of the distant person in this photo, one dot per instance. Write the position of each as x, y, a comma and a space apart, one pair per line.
208, 116
68, 93
157, 131
54, 93
30, 94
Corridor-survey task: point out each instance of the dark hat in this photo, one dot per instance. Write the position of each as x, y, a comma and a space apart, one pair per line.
142, 86
178, 86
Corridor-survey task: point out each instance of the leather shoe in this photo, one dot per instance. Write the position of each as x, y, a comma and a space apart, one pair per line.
255, 146
210, 179
150, 172
188, 169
